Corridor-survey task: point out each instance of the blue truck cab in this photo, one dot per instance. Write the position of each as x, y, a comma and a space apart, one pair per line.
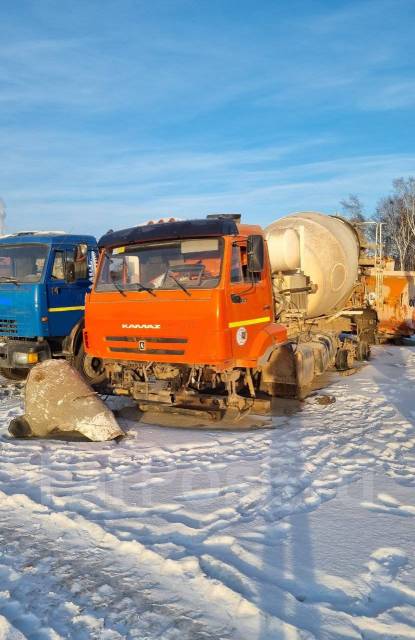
43, 280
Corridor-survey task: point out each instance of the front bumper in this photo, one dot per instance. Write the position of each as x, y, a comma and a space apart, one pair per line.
22, 354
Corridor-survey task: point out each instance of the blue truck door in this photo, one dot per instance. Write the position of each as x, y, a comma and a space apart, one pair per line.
66, 300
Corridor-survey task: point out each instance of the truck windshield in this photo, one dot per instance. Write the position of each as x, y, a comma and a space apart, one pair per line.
180, 264
22, 262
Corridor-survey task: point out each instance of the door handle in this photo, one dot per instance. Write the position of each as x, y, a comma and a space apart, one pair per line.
237, 299
56, 290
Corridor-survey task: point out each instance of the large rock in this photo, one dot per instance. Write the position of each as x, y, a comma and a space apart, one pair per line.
58, 400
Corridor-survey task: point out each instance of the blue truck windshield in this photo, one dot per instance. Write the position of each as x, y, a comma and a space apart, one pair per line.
22, 262
188, 264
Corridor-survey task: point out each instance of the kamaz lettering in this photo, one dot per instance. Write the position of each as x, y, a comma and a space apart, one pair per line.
140, 326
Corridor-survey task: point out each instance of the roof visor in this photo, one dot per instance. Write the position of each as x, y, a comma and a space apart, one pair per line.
178, 230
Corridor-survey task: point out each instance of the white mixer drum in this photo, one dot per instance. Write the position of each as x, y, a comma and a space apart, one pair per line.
325, 248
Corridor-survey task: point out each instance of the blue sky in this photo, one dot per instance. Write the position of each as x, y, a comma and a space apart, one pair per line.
114, 112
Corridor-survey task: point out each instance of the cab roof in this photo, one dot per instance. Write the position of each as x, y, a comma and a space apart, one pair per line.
46, 237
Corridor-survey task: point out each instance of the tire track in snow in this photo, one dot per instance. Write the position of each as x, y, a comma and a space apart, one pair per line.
122, 590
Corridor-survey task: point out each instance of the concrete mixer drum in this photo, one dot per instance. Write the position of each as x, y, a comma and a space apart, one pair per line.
324, 250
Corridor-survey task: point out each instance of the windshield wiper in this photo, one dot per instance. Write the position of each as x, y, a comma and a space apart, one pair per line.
141, 287
173, 277
9, 279
117, 286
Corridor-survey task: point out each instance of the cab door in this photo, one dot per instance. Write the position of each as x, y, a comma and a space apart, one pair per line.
66, 295
249, 303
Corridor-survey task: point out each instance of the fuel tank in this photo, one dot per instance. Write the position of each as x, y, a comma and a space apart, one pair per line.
325, 248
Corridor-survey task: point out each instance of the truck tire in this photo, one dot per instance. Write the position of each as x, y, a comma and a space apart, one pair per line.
17, 375
362, 351
91, 369
344, 359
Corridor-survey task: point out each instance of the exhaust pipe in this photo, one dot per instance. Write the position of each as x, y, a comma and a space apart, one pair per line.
57, 401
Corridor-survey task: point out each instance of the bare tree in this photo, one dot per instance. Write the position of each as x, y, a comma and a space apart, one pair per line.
397, 212
353, 208
405, 191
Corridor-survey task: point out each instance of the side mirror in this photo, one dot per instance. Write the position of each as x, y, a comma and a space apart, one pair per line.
70, 271
255, 250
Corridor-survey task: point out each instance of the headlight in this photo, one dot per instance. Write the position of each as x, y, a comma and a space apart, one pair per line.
25, 358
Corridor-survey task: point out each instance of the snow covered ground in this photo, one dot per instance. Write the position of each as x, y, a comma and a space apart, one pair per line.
303, 530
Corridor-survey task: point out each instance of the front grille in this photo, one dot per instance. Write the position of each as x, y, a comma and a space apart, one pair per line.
142, 348
7, 326
146, 338
158, 352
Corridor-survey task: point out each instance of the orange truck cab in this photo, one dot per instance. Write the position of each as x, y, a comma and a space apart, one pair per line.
182, 310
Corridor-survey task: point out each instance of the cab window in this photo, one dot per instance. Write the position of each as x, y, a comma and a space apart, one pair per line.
239, 265
81, 262
23, 263
193, 263
236, 267
58, 269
